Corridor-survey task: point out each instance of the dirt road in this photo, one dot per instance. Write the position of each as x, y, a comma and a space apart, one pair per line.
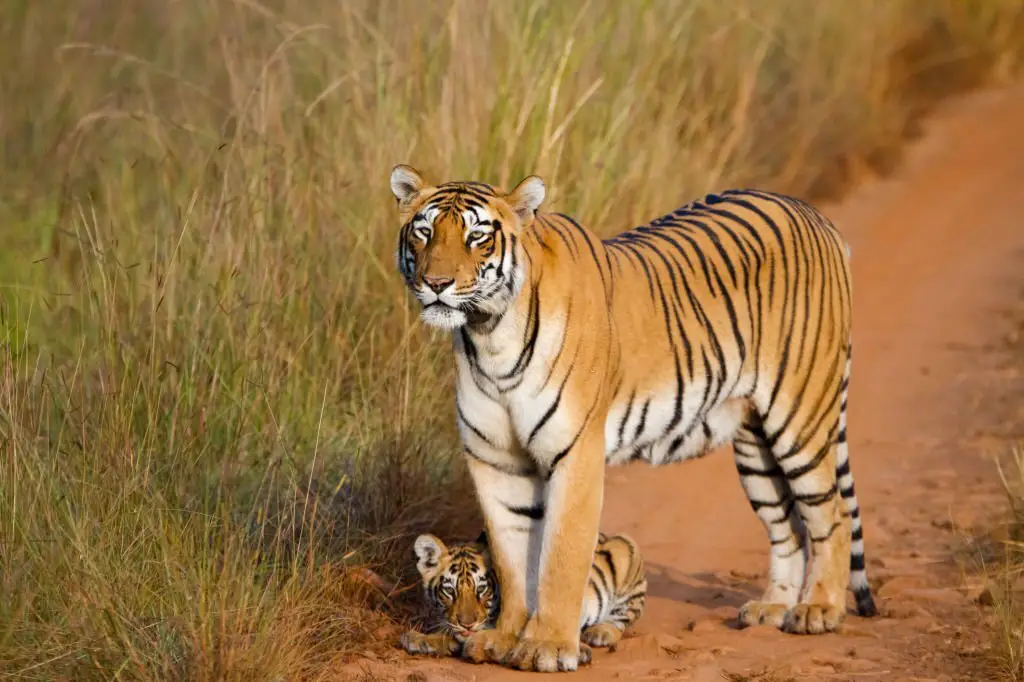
938, 255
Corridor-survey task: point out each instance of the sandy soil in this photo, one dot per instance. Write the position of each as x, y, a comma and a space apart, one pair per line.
938, 259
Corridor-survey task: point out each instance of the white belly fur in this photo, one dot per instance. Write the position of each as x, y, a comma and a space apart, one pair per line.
696, 433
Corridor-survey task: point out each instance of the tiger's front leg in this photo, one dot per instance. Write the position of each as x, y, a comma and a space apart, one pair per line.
509, 501
572, 508
432, 644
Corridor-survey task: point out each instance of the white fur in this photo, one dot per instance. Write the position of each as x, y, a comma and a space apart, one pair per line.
405, 183
527, 197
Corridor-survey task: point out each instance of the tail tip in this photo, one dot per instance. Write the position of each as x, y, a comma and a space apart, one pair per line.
865, 603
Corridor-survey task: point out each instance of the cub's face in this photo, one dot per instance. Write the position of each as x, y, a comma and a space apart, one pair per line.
458, 248
459, 585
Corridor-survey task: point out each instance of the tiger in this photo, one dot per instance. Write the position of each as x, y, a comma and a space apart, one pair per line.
727, 320
461, 595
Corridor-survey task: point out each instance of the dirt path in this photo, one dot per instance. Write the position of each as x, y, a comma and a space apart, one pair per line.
938, 251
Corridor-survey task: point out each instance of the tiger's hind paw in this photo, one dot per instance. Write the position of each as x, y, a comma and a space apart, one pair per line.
601, 635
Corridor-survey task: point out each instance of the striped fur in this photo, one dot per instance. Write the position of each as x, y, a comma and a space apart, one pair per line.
461, 594
727, 320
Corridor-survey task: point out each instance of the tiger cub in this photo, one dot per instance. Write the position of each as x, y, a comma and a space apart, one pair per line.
461, 596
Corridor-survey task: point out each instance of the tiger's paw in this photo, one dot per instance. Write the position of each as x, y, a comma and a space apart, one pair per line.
763, 613
548, 656
486, 646
812, 619
601, 635
417, 643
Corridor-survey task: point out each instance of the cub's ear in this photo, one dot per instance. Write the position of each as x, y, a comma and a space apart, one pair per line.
406, 183
482, 538
429, 551
526, 198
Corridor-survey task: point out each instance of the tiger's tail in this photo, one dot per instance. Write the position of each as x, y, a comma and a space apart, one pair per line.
858, 565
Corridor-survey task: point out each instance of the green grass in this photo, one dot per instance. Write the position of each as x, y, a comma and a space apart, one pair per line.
216, 402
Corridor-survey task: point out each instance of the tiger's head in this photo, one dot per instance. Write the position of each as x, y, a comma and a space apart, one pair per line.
458, 248
459, 585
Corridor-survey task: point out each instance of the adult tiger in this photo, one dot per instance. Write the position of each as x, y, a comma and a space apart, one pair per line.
725, 320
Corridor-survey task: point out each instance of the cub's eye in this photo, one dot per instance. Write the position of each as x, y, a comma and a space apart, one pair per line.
478, 236
422, 232
481, 591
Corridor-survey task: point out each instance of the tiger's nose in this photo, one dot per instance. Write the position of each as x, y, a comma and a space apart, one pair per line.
466, 621
437, 284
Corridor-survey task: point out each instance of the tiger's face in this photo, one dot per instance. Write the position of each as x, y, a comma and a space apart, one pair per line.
458, 248
459, 585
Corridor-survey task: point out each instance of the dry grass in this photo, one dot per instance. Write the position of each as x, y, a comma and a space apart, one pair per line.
1005, 565
1005, 590
215, 402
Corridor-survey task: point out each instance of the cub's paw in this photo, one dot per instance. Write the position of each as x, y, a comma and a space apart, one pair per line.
812, 619
432, 645
488, 646
548, 656
763, 613
601, 635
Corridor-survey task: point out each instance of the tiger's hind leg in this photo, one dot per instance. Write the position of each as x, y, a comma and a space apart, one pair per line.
806, 452
769, 495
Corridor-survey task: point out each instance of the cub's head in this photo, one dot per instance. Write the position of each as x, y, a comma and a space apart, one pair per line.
459, 244
459, 585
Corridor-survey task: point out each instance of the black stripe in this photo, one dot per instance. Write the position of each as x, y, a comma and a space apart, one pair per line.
551, 410
533, 329
535, 512
808, 467
817, 499
476, 432
522, 472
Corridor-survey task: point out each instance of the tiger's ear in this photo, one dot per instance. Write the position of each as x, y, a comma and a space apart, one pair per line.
429, 551
482, 538
406, 183
526, 198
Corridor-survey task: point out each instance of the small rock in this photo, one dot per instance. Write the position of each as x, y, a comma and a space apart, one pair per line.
989, 595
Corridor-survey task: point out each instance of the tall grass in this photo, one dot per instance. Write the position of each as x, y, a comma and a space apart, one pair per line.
215, 402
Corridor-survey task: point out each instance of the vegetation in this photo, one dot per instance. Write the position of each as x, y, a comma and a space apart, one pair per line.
1003, 562
216, 404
